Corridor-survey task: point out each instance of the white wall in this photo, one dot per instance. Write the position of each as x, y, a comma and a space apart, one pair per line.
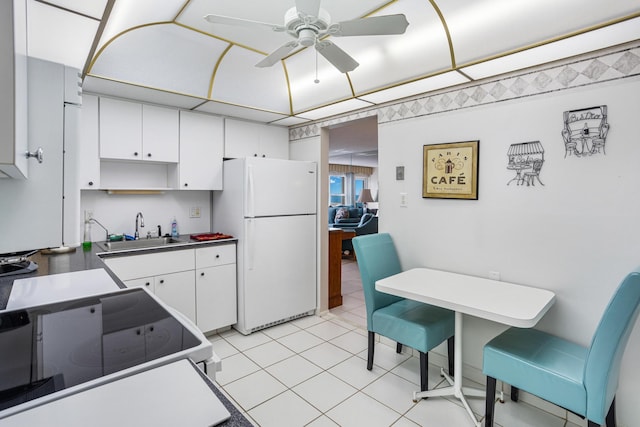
118, 212
577, 235
311, 149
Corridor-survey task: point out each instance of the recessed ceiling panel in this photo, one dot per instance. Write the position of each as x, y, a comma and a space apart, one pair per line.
50, 28
127, 14
164, 56
241, 112
386, 60
483, 28
239, 81
101, 86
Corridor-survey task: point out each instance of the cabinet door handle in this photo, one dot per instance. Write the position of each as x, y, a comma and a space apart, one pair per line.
202, 274
217, 256
90, 183
161, 281
264, 155
186, 184
135, 154
147, 283
148, 154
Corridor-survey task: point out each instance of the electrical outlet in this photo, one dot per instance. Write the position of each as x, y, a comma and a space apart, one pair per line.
195, 212
494, 275
88, 214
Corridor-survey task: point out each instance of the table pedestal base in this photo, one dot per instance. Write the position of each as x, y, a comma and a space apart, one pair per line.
455, 384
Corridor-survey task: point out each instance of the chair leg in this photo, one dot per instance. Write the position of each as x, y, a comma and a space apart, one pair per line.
611, 415
451, 354
372, 339
398, 348
424, 368
490, 402
515, 392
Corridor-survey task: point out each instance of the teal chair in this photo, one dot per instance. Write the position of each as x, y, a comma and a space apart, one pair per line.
581, 379
411, 323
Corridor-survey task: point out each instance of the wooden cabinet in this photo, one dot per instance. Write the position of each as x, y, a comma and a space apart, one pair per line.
13, 87
247, 139
200, 283
133, 131
201, 150
216, 290
89, 144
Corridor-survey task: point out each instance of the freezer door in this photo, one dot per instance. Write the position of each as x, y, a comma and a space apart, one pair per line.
279, 269
279, 187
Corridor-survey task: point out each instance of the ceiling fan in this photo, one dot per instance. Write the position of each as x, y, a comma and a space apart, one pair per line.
308, 24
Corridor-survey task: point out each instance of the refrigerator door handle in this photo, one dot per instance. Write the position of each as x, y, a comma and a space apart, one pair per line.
250, 197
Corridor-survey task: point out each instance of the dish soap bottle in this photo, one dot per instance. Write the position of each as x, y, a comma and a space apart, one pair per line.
174, 227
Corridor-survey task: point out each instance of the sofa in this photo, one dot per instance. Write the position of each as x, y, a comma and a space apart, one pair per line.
352, 216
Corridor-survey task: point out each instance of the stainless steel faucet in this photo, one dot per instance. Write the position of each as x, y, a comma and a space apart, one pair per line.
138, 215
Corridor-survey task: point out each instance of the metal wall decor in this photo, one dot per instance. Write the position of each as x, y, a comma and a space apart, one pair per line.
585, 131
526, 159
450, 171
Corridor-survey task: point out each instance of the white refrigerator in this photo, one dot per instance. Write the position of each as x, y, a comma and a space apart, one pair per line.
270, 206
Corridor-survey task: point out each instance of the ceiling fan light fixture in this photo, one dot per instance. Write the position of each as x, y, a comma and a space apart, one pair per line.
307, 37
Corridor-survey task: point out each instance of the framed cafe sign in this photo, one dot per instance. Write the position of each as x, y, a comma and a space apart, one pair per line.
450, 171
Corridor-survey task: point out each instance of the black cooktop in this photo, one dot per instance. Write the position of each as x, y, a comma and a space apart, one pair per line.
51, 347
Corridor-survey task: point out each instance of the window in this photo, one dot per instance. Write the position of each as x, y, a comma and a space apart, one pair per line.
359, 184
337, 194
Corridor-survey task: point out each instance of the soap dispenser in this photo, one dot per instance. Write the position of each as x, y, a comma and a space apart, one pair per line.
174, 227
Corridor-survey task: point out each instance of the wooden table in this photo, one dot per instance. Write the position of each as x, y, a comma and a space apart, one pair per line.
507, 303
336, 236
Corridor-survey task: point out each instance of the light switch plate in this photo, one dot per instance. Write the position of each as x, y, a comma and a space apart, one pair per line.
195, 212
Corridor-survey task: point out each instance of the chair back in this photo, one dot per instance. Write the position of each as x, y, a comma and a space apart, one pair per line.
377, 259
602, 368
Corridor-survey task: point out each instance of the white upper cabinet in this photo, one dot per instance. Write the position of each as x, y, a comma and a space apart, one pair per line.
88, 146
201, 149
132, 131
160, 134
13, 87
246, 139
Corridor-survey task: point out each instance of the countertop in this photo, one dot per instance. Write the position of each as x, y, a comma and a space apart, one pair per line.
80, 260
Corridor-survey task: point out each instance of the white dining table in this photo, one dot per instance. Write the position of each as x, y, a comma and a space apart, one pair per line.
507, 303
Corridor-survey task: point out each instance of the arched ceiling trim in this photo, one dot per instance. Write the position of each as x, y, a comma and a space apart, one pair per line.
215, 70
286, 77
117, 36
446, 31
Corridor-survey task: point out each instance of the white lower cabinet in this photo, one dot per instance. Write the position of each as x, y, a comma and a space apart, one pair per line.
216, 293
200, 283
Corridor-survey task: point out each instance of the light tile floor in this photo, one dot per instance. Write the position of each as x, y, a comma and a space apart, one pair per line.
312, 372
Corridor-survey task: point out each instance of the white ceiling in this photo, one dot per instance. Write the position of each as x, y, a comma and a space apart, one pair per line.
164, 52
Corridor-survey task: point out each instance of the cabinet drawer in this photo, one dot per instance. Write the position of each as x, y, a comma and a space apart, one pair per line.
215, 255
152, 264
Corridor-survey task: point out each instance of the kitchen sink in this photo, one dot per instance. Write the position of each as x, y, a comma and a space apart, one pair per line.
137, 244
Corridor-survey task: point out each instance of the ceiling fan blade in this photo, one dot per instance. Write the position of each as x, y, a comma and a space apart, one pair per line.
373, 26
308, 7
338, 57
277, 54
228, 20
